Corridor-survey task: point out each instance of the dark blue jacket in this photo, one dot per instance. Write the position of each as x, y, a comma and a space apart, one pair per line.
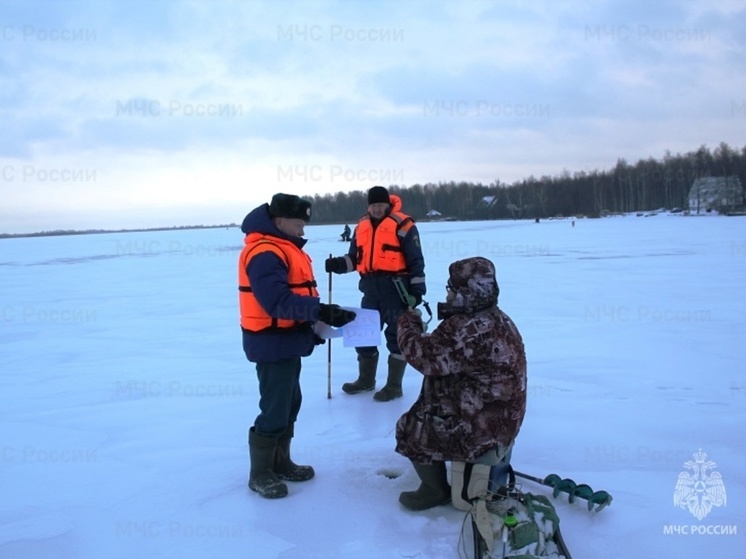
268, 276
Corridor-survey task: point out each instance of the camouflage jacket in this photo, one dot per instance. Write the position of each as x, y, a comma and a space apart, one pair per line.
473, 395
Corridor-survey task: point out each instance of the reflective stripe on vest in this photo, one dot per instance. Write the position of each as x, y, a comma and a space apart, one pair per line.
300, 281
379, 249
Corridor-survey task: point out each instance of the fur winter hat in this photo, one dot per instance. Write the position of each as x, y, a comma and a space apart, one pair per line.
474, 281
290, 206
378, 195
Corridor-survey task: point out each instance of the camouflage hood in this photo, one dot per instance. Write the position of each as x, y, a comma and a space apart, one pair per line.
474, 281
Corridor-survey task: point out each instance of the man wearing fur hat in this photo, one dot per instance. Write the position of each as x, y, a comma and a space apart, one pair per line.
385, 245
278, 304
473, 395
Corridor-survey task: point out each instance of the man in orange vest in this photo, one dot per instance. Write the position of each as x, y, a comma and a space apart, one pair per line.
278, 304
385, 246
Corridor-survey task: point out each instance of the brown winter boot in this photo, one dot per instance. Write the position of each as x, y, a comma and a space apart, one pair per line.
393, 382
284, 467
261, 477
366, 380
433, 491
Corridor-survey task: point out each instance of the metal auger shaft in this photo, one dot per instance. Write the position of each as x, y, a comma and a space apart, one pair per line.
601, 499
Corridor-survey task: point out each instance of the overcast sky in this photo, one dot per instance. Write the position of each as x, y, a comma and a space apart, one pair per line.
127, 113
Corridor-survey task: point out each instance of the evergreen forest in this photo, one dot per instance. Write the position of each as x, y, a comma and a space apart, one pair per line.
646, 185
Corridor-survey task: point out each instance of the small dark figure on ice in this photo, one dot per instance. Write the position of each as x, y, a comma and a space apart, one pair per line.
345, 236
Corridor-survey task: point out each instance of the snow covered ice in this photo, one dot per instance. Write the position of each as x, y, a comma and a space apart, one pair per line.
127, 397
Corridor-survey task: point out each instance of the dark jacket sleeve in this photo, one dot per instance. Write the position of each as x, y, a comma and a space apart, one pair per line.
268, 275
415, 261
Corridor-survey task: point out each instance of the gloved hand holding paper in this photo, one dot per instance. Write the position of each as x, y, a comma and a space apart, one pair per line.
364, 330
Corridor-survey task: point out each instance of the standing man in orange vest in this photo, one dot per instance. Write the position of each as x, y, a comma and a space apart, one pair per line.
384, 246
278, 303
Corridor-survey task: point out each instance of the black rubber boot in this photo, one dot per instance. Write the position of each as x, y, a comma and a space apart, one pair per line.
393, 382
261, 477
433, 490
366, 380
284, 467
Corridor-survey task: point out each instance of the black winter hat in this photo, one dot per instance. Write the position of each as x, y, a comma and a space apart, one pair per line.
378, 195
290, 206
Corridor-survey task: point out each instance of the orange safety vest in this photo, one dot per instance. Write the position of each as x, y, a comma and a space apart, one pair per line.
379, 249
300, 280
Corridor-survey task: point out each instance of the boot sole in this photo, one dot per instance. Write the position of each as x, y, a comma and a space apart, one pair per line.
419, 506
386, 396
297, 478
278, 494
358, 391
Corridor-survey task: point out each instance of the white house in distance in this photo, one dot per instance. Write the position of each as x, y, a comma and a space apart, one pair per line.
434, 214
721, 194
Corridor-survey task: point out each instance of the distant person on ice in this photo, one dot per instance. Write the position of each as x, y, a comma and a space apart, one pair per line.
385, 246
345, 236
473, 396
278, 305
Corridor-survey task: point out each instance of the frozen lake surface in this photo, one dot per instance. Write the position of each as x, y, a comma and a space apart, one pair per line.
127, 397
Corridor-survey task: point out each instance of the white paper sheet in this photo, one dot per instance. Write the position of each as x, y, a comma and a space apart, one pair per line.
365, 330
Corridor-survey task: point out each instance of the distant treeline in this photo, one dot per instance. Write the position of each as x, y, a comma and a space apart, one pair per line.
646, 185
649, 184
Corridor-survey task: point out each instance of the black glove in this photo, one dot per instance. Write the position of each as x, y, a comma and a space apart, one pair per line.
335, 264
413, 299
334, 315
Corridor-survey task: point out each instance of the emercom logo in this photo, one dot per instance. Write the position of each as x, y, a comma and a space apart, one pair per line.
698, 487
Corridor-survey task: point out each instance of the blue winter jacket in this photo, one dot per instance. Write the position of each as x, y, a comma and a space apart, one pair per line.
268, 276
